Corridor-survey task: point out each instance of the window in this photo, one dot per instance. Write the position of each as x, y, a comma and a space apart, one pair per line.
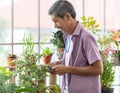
17, 16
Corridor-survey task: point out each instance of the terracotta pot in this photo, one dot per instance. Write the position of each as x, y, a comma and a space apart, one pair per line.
10, 61
47, 59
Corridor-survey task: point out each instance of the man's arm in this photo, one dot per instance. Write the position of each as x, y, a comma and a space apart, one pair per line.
94, 69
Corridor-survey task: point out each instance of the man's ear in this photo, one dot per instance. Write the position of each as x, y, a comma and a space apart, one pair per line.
67, 16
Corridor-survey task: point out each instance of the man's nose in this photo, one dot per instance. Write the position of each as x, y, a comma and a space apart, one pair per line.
56, 26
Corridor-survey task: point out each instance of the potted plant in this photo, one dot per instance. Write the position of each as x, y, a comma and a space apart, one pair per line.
58, 41
107, 52
11, 61
46, 55
108, 75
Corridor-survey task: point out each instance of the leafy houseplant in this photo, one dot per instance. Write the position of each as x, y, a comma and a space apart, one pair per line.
31, 75
5, 85
108, 54
58, 41
108, 75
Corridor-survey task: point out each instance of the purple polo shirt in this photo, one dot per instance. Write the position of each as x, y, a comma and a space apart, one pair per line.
85, 52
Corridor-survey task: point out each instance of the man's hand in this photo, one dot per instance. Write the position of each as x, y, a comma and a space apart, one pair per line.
60, 69
53, 64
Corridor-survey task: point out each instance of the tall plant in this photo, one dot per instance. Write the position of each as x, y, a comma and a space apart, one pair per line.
31, 75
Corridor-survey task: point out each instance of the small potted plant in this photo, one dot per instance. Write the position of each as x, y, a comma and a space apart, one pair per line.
46, 55
11, 61
58, 41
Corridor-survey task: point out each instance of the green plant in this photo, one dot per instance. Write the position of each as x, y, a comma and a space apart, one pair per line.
31, 75
55, 88
116, 37
90, 23
108, 75
46, 51
58, 40
28, 42
5, 85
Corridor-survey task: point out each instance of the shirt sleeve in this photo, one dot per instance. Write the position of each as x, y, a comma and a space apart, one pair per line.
91, 49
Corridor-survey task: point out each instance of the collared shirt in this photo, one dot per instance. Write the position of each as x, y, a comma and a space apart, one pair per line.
85, 52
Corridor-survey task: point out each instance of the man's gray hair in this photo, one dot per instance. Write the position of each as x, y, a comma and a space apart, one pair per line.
60, 7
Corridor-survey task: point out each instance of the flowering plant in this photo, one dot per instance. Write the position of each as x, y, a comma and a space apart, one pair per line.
108, 75
116, 37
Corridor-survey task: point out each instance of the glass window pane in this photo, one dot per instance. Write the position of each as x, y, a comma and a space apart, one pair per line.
25, 18
18, 49
5, 18
95, 8
112, 14
46, 34
19, 35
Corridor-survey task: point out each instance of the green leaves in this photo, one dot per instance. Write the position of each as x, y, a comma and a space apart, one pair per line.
55, 88
46, 51
107, 77
90, 23
28, 42
57, 39
6, 87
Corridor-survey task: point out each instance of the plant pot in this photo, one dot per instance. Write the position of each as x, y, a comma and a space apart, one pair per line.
47, 59
60, 52
108, 90
11, 61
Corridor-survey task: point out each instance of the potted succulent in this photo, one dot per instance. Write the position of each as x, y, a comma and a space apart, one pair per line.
46, 54
58, 41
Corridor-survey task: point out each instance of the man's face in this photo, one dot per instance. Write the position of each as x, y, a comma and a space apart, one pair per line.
60, 23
